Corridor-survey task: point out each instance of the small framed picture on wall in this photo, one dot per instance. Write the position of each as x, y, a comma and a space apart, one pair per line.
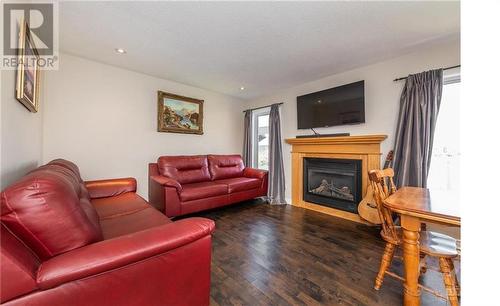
28, 70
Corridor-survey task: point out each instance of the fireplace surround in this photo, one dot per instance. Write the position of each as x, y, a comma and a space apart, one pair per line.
362, 148
333, 182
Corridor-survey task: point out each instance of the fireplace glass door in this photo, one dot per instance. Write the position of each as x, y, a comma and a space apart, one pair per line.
333, 182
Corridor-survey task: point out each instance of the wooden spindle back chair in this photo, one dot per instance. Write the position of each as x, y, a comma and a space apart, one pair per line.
432, 244
383, 186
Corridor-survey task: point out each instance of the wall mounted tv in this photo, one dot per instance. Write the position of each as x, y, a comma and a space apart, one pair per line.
335, 106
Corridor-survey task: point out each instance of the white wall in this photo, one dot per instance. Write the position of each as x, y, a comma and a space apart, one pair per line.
21, 133
104, 119
381, 96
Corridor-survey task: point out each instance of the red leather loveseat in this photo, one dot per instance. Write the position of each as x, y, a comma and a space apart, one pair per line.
180, 185
69, 242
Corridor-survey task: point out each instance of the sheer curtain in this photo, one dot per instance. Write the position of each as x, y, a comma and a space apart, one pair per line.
276, 187
419, 107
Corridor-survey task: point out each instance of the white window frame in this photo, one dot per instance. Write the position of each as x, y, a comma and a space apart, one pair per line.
255, 128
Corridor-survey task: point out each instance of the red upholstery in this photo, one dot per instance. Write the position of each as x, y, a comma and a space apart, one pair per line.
94, 258
203, 204
180, 276
68, 165
44, 198
244, 195
255, 173
171, 196
225, 166
91, 213
123, 204
71, 172
130, 223
240, 183
184, 169
202, 190
18, 266
140, 254
229, 182
110, 188
125, 214
167, 182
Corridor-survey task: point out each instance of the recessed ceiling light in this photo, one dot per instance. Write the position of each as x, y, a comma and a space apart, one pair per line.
242, 88
120, 51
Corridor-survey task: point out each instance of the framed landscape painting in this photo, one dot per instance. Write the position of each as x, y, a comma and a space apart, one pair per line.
178, 114
28, 71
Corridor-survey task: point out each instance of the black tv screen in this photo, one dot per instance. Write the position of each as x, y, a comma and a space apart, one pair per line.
335, 106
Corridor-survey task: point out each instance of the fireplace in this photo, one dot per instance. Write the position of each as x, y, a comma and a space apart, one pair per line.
333, 182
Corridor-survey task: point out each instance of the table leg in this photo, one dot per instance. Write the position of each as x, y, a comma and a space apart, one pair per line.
411, 257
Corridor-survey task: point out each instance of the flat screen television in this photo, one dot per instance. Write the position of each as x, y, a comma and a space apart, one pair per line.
335, 106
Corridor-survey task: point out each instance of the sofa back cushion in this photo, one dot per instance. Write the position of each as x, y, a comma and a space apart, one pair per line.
225, 166
184, 169
68, 165
44, 210
72, 173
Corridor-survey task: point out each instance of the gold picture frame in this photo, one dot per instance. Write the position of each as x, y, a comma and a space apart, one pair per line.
178, 114
28, 71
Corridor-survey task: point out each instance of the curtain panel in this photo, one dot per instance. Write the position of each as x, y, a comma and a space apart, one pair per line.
276, 188
419, 108
247, 139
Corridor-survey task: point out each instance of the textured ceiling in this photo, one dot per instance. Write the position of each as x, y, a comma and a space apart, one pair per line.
263, 46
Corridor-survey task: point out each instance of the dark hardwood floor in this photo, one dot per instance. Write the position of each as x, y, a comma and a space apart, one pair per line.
284, 255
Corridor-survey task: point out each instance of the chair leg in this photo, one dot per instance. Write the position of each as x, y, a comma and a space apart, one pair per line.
455, 278
449, 280
384, 264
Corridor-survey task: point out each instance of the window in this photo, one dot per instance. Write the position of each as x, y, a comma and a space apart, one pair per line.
260, 136
444, 172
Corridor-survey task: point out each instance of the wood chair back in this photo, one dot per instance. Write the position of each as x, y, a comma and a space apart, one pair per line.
383, 186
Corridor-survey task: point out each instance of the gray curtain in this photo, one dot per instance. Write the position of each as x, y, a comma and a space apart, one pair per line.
419, 107
276, 187
247, 139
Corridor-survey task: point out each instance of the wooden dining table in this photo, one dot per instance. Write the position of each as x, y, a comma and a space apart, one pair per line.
416, 206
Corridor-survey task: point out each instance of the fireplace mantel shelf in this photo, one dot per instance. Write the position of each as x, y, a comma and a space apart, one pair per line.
363, 139
364, 147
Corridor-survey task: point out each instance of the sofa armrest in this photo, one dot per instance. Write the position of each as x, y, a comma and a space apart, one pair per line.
122, 251
254, 173
167, 182
164, 195
112, 187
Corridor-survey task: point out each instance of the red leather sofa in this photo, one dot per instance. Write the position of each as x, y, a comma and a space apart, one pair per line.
180, 185
69, 242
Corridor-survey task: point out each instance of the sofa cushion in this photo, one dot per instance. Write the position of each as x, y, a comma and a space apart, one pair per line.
68, 165
240, 183
122, 204
202, 190
120, 225
184, 169
91, 213
43, 209
64, 172
125, 214
70, 171
225, 166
